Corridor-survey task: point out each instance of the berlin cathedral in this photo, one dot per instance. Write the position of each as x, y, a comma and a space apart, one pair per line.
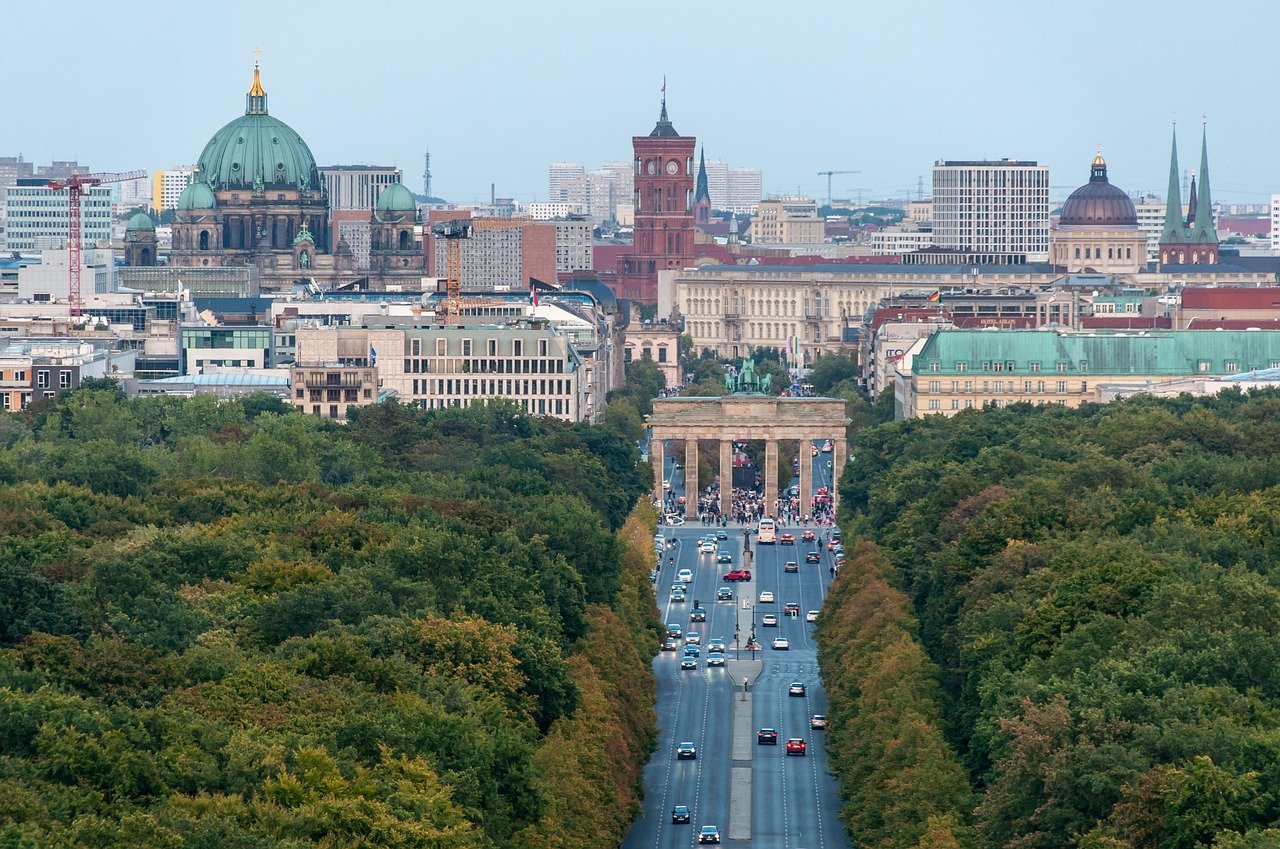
258, 199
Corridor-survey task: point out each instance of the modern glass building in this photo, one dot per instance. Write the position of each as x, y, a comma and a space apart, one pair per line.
32, 210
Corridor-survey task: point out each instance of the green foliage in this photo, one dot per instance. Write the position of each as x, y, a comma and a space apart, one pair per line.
1098, 590
227, 624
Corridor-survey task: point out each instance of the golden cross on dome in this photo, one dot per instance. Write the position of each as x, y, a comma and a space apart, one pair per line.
257, 54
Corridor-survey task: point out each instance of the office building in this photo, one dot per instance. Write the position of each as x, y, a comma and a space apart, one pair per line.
437, 366
169, 184
991, 212
357, 187
203, 349
567, 183
575, 238
12, 169
498, 259
33, 210
787, 221
733, 188
48, 281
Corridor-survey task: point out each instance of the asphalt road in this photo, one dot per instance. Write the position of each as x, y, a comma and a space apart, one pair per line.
793, 800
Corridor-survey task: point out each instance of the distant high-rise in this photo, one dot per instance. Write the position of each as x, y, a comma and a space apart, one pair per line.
12, 169
992, 211
44, 213
734, 188
567, 183
167, 186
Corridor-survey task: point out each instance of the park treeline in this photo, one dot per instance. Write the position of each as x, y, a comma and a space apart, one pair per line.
1061, 628
227, 625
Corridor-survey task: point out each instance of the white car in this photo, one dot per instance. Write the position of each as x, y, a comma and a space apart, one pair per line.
693, 638
769, 620
811, 616
781, 643
766, 597
685, 576
715, 660
707, 548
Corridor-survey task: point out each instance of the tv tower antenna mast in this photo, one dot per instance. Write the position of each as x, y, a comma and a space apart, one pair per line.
426, 173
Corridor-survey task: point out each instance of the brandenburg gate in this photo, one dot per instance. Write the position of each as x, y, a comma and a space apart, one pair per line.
747, 416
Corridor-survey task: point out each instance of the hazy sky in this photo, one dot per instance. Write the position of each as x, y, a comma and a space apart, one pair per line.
500, 89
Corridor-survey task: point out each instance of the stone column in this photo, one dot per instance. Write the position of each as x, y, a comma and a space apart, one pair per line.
691, 478
839, 454
726, 477
806, 477
770, 476
658, 459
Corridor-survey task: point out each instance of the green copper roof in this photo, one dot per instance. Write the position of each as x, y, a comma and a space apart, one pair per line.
702, 191
396, 198
139, 221
1202, 229
256, 151
1041, 353
197, 195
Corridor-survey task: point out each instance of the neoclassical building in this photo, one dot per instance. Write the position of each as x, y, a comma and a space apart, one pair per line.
1098, 228
257, 199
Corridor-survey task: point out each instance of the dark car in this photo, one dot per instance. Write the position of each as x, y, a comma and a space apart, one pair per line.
738, 575
767, 737
812, 557
669, 644
686, 751
709, 834
722, 535
723, 556
698, 614
724, 594
680, 813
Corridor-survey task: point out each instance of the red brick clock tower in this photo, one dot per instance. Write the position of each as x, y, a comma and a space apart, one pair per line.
663, 234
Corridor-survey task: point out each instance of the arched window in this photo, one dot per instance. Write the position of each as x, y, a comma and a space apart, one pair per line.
404, 240
204, 240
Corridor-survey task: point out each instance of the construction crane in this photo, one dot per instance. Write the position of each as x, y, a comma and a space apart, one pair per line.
453, 232
75, 186
828, 175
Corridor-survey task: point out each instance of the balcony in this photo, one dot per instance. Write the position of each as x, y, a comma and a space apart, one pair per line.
815, 315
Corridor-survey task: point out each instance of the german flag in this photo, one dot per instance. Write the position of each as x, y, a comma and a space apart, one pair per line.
936, 296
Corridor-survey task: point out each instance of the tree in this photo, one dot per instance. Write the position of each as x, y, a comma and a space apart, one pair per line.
829, 370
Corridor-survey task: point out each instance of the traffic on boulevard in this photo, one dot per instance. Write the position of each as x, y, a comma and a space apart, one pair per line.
741, 758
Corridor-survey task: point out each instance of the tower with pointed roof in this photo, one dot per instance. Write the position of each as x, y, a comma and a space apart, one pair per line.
702, 194
663, 235
1193, 239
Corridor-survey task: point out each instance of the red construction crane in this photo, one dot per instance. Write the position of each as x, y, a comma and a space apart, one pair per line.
75, 185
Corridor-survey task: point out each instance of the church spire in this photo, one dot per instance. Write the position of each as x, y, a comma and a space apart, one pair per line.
1173, 200
1202, 223
702, 191
256, 99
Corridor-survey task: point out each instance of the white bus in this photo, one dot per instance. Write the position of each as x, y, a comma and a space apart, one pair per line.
766, 534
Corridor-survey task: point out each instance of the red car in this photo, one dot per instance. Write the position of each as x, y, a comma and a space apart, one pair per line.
791, 566
738, 575
795, 746
812, 557
791, 608
831, 546
807, 536
787, 539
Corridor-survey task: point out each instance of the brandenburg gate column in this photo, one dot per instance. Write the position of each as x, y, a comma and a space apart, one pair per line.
726, 478
806, 477
658, 460
691, 478
770, 477
841, 450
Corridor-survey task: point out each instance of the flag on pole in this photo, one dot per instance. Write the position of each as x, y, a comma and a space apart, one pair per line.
533, 293
936, 296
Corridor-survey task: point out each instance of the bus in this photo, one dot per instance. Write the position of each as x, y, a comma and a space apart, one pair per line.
766, 533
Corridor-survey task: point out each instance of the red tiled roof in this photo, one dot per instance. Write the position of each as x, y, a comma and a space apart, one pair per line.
1231, 298
1245, 226
1234, 323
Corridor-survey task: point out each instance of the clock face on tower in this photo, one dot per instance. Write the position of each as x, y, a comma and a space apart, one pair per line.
653, 168
673, 167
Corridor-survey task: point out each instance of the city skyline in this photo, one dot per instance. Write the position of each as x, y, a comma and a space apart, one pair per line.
877, 90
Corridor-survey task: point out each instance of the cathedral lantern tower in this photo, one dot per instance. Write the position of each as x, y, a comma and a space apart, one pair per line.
663, 232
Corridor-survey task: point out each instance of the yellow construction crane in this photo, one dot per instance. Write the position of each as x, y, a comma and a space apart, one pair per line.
453, 232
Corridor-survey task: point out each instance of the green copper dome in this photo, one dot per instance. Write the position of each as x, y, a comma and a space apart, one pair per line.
396, 198
197, 195
256, 151
139, 221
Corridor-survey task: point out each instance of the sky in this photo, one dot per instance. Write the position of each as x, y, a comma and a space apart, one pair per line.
498, 90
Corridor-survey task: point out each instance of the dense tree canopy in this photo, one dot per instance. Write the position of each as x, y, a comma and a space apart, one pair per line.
225, 624
1097, 598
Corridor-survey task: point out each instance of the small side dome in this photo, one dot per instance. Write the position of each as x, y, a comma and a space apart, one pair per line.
396, 198
139, 221
197, 195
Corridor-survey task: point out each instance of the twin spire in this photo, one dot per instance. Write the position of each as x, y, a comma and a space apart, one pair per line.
1197, 228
